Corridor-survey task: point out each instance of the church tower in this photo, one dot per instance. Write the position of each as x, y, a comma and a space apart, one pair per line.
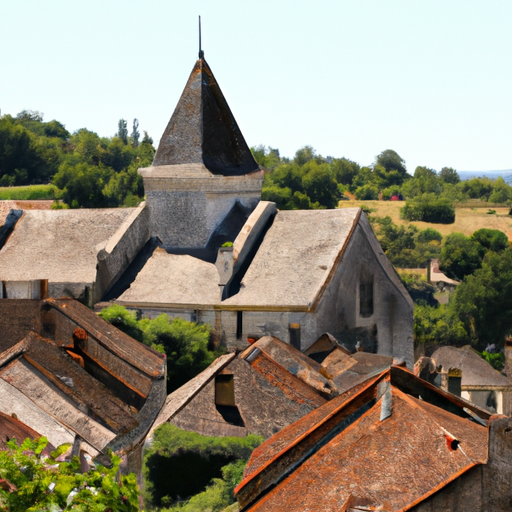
203, 182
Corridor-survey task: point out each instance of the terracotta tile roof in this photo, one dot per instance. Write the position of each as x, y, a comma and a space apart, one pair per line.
12, 428
358, 450
297, 390
295, 362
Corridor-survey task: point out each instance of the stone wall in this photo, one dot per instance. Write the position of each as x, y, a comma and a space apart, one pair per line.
389, 327
120, 250
264, 408
187, 203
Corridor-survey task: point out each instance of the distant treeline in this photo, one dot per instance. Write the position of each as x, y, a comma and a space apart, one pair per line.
94, 171
312, 181
89, 170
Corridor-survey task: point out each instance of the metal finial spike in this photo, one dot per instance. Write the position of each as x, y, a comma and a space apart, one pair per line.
201, 53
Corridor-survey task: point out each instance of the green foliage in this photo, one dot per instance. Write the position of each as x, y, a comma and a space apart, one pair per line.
491, 239
449, 175
495, 359
461, 255
93, 171
268, 158
227, 244
483, 302
172, 447
405, 246
135, 135
429, 235
435, 325
218, 495
186, 344
122, 131
30, 192
429, 208
43, 483
169, 440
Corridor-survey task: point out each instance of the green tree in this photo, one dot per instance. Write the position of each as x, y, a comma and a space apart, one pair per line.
122, 130
483, 302
36, 482
461, 255
491, 239
391, 161
319, 184
449, 175
135, 136
186, 344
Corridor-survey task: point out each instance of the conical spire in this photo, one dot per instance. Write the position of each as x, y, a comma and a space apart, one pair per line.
203, 130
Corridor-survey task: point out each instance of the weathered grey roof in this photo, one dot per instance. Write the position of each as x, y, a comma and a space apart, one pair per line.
59, 245
179, 398
202, 130
475, 370
294, 361
174, 279
296, 258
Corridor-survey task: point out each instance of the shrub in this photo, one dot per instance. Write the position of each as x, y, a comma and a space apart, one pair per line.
429, 208
36, 482
179, 464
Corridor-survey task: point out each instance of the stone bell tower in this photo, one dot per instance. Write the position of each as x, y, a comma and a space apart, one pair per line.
203, 182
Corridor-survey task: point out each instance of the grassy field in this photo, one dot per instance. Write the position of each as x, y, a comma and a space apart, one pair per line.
30, 192
467, 220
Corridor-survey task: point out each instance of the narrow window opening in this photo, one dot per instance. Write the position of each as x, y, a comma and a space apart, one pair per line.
239, 324
225, 400
294, 330
366, 299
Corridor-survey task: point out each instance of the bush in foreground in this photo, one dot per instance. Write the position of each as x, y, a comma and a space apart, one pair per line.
32, 482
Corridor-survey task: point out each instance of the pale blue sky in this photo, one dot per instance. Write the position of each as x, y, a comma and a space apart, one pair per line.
430, 79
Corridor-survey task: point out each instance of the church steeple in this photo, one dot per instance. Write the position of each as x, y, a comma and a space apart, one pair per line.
202, 129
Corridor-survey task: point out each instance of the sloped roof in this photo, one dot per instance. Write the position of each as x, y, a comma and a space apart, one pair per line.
174, 279
59, 245
296, 258
351, 452
475, 370
12, 428
202, 130
180, 398
89, 380
364, 365
295, 362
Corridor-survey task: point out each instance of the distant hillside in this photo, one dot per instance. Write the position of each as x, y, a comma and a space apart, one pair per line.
467, 175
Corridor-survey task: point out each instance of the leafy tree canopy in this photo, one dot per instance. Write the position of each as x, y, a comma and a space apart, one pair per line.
187, 345
35, 482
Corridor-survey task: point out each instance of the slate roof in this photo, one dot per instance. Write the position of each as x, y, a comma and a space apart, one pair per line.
174, 279
202, 130
292, 360
296, 258
476, 371
59, 245
70, 374
351, 452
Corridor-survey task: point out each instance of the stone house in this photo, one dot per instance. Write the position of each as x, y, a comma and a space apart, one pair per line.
479, 382
72, 377
289, 274
357, 452
264, 388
